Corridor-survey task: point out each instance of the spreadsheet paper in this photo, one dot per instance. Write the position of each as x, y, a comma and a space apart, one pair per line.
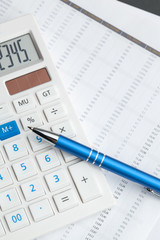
114, 85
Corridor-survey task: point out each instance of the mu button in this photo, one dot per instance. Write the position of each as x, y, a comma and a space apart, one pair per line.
8, 130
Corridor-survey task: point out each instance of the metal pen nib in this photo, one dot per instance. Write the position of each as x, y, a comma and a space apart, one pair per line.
31, 128
46, 135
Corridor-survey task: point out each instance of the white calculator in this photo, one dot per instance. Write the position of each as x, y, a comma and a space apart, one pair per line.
41, 188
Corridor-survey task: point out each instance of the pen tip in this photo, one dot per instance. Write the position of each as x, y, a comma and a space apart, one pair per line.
30, 128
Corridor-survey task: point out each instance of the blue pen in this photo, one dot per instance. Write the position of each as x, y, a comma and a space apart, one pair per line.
151, 183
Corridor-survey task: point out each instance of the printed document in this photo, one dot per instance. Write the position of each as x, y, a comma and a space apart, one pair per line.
114, 85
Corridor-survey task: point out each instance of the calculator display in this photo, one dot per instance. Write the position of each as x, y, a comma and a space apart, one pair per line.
16, 53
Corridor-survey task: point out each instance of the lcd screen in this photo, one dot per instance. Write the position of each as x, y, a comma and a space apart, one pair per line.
17, 53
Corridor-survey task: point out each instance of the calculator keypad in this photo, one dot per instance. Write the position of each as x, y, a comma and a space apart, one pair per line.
64, 128
24, 169
86, 182
16, 149
32, 120
57, 180
23, 104
41, 210
54, 112
37, 143
38, 174
66, 200
46, 95
5, 178
68, 157
5, 111
9, 199
16, 220
48, 159
32, 189
8, 130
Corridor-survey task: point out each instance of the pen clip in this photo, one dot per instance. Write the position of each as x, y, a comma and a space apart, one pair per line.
153, 192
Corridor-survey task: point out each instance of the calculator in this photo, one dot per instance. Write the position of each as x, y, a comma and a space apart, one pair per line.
41, 188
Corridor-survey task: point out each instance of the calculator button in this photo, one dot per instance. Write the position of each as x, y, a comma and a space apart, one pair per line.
23, 104
55, 112
1, 159
32, 120
2, 232
16, 149
5, 111
64, 129
57, 180
5, 178
86, 181
24, 169
68, 157
37, 143
17, 220
9, 199
8, 130
46, 95
32, 189
65, 200
48, 159
41, 210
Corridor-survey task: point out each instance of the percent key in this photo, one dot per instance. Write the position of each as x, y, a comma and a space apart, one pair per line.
31, 120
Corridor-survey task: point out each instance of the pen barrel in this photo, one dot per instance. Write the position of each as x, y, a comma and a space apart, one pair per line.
73, 147
131, 173
108, 163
